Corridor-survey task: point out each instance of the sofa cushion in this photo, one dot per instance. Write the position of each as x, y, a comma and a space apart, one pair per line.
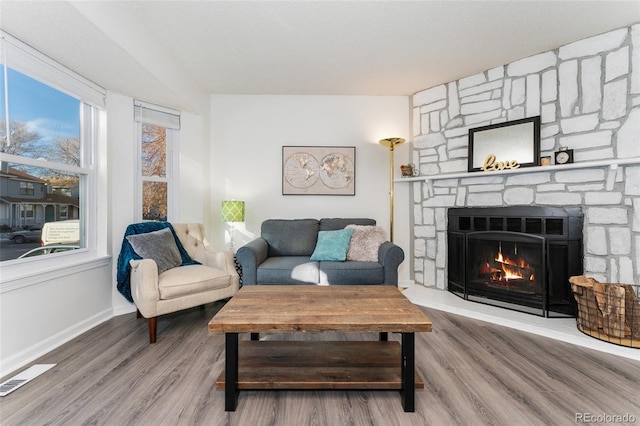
288, 270
331, 224
191, 279
157, 245
365, 242
332, 245
351, 272
295, 237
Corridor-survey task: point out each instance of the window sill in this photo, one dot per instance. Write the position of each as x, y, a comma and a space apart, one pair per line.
25, 274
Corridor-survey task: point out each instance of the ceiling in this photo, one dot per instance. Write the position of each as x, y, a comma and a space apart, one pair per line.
172, 51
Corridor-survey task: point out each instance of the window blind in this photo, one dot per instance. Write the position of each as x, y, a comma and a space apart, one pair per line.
145, 112
20, 57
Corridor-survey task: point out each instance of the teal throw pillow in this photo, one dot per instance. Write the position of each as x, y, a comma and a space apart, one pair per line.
332, 245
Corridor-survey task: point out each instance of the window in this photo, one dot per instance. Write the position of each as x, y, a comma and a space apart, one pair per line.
27, 211
158, 129
26, 188
49, 119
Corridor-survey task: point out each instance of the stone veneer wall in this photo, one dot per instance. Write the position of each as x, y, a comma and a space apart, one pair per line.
588, 96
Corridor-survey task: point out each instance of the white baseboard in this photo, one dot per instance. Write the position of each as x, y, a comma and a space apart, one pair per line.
406, 283
34, 352
123, 309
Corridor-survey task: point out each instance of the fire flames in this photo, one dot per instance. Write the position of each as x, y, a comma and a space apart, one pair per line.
506, 268
517, 269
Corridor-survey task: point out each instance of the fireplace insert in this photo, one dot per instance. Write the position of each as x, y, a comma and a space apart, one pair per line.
518, 258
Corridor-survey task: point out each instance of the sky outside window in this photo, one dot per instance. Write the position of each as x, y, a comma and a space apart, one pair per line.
52, 115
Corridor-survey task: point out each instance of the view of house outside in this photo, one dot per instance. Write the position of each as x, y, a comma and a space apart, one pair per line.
42, 123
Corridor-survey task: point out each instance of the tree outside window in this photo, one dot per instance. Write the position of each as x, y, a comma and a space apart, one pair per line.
154, 172
158, 134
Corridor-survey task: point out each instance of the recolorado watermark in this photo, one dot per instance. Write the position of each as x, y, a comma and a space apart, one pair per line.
604, 418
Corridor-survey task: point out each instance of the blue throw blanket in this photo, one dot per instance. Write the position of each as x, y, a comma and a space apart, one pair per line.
127, 253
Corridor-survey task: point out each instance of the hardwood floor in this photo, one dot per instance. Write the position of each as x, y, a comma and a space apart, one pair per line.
475, 373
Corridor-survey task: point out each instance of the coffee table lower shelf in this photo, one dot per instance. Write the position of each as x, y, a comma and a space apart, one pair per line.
319, 365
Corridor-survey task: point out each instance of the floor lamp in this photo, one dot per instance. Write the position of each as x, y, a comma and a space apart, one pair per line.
391, 143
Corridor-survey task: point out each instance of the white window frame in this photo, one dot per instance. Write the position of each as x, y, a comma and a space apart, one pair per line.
18, 273
148, 113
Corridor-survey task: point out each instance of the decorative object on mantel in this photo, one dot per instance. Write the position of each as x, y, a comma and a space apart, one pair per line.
607, 311
491, 165
391, 143
564, 156
508, 145
409, 170
545, 161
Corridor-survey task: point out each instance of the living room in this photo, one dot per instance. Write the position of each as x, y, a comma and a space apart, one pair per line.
231, 148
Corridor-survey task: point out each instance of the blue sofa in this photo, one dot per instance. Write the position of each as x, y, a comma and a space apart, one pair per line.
281, 255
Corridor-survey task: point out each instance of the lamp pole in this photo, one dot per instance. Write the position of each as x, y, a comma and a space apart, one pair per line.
391, 144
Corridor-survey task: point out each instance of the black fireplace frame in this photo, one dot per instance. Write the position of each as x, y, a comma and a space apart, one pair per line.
557, 228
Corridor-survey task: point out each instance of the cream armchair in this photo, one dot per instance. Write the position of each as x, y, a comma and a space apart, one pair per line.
184, 286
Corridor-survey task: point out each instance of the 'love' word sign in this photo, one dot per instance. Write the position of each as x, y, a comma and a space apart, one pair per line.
490, 164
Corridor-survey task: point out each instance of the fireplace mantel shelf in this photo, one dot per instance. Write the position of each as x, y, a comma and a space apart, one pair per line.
612, 164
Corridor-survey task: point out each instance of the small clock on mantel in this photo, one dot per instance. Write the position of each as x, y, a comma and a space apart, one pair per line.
563, 156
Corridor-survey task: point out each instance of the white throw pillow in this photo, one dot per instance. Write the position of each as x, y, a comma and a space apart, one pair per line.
365, 242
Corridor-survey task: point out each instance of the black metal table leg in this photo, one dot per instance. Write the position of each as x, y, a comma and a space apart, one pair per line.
384, 336
408, 372
255, 336
231, 372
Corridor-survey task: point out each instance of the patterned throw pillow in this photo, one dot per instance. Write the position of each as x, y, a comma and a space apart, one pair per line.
365, 242
332, 245
159, 246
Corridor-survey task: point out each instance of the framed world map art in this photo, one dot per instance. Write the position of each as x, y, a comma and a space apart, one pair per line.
318, 170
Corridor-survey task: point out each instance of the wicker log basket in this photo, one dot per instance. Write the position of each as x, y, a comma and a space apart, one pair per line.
607, 311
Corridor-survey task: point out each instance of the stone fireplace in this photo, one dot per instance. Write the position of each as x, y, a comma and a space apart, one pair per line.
587, 94
518, 258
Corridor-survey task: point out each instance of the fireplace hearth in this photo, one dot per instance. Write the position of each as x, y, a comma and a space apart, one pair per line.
518, 258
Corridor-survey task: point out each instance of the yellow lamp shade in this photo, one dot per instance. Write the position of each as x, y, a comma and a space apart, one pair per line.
232, 211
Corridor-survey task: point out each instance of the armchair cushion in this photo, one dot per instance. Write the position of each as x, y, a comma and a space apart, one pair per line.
191, 279
157, 245
332, 245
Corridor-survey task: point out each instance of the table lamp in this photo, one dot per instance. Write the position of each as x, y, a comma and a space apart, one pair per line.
232, 211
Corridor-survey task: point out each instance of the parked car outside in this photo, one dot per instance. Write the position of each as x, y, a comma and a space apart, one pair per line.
25, 235
38, 251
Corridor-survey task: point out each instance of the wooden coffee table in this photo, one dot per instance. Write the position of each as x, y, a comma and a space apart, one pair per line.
383, 364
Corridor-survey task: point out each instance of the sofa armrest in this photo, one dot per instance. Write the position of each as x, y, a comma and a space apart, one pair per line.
251, 255
390, 256
144, 286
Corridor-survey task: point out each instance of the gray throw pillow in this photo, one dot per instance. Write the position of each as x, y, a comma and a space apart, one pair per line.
159, 246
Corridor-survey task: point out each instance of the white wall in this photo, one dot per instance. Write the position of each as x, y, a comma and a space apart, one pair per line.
37, 317
193, 180
247, 135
